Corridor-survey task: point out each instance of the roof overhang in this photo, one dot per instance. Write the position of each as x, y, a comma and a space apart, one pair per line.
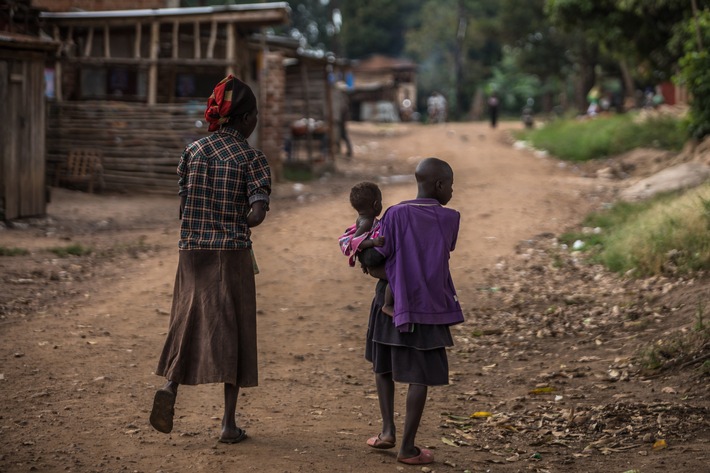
24, 42
256, 14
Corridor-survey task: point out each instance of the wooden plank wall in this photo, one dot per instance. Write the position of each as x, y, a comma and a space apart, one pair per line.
22, 143
6, 151
141, 144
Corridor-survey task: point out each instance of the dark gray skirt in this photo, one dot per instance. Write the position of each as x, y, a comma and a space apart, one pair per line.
418, 357
212, 333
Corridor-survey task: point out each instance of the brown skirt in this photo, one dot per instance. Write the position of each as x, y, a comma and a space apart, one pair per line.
212, 333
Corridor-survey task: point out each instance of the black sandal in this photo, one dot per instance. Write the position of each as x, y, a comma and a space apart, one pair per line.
161, 417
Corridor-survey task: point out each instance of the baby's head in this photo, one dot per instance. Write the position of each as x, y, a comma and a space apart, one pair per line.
366, 198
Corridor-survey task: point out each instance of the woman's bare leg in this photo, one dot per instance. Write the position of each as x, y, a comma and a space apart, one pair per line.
230, 432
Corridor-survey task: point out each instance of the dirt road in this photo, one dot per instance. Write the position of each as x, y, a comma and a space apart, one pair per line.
80, 336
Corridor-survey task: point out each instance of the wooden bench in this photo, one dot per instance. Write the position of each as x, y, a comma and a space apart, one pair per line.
83, 166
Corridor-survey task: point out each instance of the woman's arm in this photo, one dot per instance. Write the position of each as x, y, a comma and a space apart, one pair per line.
257, 214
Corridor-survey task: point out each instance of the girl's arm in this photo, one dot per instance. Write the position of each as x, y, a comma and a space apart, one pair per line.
372, 242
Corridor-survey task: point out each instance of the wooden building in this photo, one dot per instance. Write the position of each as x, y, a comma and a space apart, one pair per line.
133, 83
383, 81
23, 190
310, 116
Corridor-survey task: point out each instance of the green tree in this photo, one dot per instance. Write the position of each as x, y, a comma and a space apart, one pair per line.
633, 33
693, 37
455, 44
377, 26
537, 47
512, 84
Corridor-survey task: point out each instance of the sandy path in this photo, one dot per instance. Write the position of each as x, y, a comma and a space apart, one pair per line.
78, 379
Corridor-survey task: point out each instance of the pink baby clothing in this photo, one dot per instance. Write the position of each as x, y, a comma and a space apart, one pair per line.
350, 244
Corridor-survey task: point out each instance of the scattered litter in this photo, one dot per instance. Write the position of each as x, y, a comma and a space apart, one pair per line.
660, 445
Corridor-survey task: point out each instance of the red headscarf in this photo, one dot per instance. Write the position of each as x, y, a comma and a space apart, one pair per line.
231, 97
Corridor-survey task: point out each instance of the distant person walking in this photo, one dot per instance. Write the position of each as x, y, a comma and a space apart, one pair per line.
493, 109
436, 108
344, 119
224, 189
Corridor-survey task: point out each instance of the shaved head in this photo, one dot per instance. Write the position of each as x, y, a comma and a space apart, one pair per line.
432, 169
435, 179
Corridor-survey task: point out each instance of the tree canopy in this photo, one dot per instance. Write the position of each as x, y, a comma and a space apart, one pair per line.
553, 49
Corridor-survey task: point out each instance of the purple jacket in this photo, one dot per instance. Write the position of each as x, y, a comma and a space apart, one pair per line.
419, 236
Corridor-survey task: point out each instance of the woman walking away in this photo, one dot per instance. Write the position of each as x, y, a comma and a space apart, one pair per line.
224, 189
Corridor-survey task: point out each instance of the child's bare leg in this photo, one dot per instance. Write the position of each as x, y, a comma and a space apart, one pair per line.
230, 432
416, 400
385, 396
388, 307
161, 416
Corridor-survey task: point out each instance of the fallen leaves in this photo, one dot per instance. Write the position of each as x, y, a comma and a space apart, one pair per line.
604, 429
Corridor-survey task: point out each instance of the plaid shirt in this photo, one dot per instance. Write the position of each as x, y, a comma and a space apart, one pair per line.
221, 175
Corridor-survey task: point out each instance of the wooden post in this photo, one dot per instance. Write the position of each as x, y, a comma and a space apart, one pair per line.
176, 39
58, 66
153, 68
330, 118
137, 43
213, 40
230, 48
309, 132
89, 42
197, 46
107, 41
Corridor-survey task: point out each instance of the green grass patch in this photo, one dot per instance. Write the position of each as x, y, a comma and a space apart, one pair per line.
5, 251
583, 140
669, 234
75, 249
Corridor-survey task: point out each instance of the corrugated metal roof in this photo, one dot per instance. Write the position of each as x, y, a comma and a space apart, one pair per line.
163, 12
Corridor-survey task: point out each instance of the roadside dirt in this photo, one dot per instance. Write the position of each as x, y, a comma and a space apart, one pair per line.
551, 348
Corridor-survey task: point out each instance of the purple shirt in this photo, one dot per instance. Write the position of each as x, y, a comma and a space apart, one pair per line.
419, 236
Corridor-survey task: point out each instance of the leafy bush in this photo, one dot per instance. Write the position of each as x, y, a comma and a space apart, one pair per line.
5, 251
695, 71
